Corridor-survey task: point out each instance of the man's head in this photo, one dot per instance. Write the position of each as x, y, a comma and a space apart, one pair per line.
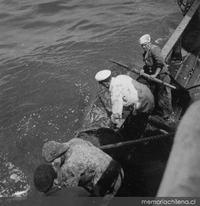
145, 40
44, 177
103, 77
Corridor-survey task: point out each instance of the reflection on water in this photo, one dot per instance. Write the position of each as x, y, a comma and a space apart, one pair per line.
49, 54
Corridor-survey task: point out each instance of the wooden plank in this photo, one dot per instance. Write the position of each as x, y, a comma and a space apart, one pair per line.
167, 49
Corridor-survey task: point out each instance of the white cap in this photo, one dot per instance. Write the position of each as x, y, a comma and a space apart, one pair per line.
102, 75
145, 39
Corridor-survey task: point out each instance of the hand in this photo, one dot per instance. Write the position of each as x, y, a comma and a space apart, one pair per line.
153, 76
115, 119
57, 163
156, 73
141, 72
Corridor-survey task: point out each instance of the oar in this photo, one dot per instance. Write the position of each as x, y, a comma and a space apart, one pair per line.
143, 74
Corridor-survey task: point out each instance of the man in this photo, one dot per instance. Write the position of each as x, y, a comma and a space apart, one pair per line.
44, 180
79, 163
126, 93
155, 66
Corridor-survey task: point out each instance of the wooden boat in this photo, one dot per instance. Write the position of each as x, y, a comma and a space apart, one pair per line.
182, 51
141, 147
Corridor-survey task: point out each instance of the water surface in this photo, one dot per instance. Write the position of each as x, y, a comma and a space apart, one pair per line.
49, 54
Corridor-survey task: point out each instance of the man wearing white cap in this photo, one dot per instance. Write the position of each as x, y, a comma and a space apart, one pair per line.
126, 93
155, 66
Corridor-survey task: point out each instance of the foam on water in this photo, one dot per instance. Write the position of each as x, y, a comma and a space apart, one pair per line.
14, 182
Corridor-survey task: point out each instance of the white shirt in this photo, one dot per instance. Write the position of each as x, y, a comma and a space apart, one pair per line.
123, 94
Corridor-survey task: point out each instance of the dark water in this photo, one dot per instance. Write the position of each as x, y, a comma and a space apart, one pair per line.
49, 54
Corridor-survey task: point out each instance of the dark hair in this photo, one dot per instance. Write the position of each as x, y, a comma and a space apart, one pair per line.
44, 176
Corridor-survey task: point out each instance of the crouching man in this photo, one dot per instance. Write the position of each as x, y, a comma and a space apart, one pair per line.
79, 163
127, 95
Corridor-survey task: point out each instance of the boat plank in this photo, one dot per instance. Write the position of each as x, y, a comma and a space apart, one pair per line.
167, 49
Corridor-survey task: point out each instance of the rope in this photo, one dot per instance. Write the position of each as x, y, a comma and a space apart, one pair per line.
137, 141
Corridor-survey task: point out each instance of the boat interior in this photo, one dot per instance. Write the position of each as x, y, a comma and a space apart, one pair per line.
147, 161
144, 163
